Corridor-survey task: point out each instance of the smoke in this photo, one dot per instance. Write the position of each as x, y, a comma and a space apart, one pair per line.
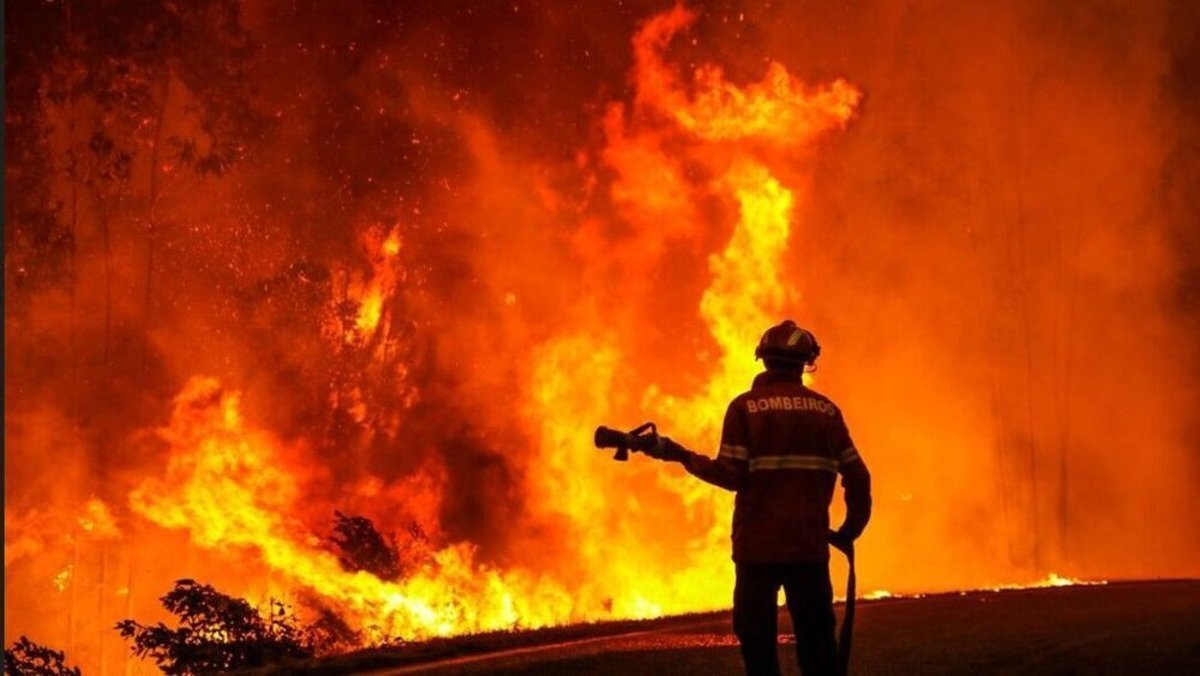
993, 258
998, 254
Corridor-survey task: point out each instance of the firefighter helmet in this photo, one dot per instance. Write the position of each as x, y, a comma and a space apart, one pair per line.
788, 342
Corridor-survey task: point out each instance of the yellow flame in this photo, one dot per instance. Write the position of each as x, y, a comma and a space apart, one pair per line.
391, 245
373, 292
98, 521
63, 579
747, 291
780, 109
232, 487
1051, 580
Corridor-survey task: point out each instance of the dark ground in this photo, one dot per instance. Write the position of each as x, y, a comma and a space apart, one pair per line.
1120, 628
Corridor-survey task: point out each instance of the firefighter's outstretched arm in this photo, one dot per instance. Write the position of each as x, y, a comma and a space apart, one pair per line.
729, 468
722, 471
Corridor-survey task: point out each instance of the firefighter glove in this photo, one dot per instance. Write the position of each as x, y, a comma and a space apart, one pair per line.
667, 450
841, 540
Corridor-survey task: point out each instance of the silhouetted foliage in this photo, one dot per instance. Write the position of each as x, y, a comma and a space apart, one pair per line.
362, 547
218, 633
107, 68
37, 243
121, 57
417, 549
27, 657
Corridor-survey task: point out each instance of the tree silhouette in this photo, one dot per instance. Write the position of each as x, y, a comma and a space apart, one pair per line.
362, 547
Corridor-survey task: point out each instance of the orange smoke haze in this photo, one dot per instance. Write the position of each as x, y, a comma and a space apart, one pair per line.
401, 263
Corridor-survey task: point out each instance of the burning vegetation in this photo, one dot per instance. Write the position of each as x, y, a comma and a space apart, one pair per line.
319, 305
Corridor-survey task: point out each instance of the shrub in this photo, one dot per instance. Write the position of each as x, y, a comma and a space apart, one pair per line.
27, 657
217, 633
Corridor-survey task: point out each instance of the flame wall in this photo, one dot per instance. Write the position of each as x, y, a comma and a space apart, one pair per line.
452, 242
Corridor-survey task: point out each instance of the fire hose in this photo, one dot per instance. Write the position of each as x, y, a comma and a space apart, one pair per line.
846, 636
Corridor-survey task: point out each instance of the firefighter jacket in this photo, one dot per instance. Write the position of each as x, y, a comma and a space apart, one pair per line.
782, 447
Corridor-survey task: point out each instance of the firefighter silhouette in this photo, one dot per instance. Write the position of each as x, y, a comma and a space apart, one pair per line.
782, 447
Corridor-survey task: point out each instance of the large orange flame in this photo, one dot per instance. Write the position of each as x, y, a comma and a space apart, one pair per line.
704, 122
234, 487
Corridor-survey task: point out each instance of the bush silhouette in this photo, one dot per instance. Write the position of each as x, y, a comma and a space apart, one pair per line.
217, 633
27, 657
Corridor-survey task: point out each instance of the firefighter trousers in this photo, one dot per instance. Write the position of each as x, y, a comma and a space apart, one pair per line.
810, 603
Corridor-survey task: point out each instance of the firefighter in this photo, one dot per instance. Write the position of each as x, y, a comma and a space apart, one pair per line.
782, 446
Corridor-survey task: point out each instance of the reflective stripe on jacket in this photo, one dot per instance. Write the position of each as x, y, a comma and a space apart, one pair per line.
782, 447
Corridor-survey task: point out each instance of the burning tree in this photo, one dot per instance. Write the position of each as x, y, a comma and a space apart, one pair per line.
362, 547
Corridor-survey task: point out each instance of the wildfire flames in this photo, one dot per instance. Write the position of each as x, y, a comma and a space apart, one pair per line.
231, 486
438, 360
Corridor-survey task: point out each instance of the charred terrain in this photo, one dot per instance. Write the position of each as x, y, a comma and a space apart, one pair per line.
311, 308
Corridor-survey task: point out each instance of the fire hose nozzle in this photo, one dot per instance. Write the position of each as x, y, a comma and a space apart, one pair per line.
640, 438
